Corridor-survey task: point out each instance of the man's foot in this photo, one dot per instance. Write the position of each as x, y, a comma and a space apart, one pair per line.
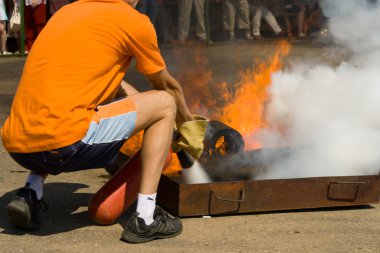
163, 226
24, 209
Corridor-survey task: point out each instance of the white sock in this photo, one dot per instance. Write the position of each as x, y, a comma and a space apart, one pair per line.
145, 207
36, 183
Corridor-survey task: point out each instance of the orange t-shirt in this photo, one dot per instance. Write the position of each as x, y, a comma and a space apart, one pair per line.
77, 63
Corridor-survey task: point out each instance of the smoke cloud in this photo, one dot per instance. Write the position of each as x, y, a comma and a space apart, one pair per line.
331, 114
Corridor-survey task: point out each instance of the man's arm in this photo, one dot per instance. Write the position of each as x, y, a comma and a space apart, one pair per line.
164, 81
125, 89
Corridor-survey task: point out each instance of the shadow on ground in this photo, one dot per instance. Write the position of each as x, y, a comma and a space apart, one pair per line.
62, 215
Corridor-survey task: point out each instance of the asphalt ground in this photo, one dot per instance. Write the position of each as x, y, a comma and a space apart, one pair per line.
67, 228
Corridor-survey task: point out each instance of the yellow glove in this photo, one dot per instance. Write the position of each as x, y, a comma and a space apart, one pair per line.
191, 135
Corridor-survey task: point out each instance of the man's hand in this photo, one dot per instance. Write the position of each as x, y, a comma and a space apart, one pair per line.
191, 128
164, 81
191, 136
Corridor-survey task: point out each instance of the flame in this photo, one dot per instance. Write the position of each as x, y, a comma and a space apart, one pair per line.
174, 166
240, 105
246, 112
203, 95
132, 145
221, 146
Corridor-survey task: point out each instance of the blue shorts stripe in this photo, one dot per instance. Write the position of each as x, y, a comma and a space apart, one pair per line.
112, 129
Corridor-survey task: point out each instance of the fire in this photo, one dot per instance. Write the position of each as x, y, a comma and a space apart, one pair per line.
174, 166
246, 110
241, 105
133, 145
203, 96
221, 146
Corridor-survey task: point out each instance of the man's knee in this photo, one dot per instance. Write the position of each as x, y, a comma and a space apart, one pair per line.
167, 102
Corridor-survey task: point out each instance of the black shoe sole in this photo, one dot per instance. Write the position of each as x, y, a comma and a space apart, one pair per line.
19, 215
133, 238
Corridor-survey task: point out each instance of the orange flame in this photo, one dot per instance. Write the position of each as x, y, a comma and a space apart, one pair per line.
220, 146
243, 109
242, 105
132, 145
245, 112
174, 167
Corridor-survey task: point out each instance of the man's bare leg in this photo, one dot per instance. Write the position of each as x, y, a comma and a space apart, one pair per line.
155, 114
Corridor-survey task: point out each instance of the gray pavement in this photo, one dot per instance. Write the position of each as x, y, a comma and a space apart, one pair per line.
67, 228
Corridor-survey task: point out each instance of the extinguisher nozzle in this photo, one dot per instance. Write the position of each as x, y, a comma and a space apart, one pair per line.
185, 159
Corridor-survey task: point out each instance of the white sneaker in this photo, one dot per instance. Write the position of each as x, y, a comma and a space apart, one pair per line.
301, 35
5, 52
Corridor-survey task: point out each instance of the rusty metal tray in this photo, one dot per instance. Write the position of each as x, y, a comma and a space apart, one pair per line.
234, 197
250, 195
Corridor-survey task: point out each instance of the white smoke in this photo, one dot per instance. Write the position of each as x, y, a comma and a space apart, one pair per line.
332, 113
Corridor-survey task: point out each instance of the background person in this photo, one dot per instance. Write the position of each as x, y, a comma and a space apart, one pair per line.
35, 20
3, 31
236, 10
259, 10
185, 7
302, 7
164, 25
279, 11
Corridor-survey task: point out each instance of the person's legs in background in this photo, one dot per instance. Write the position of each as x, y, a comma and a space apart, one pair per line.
164, 25
229, 14
29, 27
39, 16
3, 38
243, 18
256, 21
288, 26
300, 21
199, 6
184, 12
271, 20
35, 21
